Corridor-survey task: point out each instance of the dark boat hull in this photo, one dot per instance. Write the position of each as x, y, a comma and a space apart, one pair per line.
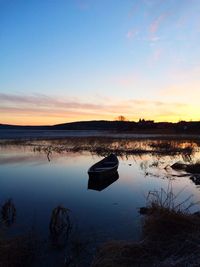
103, 174
105, 167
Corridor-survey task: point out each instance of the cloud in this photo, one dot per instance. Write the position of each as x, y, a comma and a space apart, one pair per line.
41, 109
131, 34
156, 23
154, 38
154, 26
43, 101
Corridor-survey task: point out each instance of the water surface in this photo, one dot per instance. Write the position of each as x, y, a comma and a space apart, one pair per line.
37, 185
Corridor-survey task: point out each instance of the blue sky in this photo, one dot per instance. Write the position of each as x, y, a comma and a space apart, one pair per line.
69, 60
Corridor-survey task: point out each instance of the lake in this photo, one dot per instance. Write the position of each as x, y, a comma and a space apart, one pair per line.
37, 182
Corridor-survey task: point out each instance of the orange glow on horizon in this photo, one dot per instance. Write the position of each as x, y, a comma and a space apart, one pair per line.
47, 121
46, 110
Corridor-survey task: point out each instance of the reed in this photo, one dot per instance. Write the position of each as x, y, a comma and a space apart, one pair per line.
170, 236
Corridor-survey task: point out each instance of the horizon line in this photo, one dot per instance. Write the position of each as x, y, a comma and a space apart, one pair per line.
123, 121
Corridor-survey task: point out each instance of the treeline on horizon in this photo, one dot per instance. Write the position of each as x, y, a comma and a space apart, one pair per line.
119, 125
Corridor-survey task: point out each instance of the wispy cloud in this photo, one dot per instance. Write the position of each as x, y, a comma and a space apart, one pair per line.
157, 22
131, 34
154, 38
41, 109
43, 101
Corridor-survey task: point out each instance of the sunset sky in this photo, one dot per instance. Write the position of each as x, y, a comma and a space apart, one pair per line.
72, 60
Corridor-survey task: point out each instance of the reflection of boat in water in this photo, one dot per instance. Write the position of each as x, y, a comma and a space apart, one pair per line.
99, 183
105, 167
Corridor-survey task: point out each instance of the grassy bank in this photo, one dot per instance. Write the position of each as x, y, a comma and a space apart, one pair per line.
170, 237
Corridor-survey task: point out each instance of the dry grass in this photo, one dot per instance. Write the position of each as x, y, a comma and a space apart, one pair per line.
119, 146
102, 146
171, 230
171, 236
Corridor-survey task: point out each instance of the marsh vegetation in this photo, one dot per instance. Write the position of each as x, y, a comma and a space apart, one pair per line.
170, 236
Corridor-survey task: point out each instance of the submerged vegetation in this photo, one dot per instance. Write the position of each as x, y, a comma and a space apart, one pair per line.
60, 226
102, 146
8, 213
121, 147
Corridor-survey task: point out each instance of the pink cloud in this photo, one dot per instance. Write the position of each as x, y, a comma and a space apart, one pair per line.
157, 22
19, 110
131, 34
43, 101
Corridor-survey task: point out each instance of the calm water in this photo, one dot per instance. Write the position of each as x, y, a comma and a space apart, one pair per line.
37, 186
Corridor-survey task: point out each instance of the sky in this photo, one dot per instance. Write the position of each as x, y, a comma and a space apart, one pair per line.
73, 60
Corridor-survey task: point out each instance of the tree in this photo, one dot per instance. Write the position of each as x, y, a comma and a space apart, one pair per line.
121, 118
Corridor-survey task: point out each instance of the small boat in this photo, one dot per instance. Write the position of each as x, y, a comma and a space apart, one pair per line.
105, 167
99, 184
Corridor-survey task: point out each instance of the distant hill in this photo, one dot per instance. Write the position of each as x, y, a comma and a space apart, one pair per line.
95, 125
81, 125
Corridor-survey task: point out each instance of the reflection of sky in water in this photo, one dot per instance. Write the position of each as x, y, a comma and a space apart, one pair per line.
37, 186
